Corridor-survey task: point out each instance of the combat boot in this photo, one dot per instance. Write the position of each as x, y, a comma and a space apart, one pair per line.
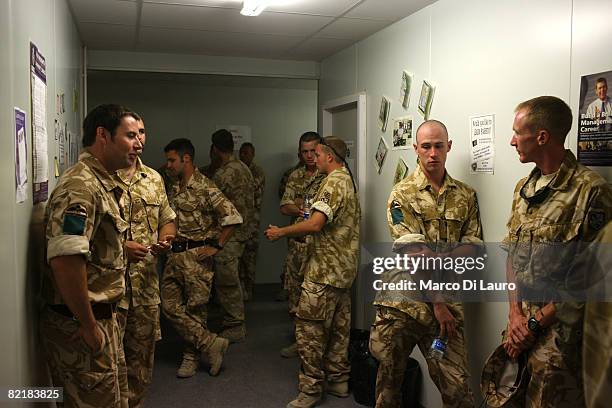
234, 334
338, 389
289, 351
215, 353
189, 365
304, 400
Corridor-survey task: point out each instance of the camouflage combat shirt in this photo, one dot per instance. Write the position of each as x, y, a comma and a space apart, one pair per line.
201, 209
548, 226
334, 255
83, 217
444, 220
236, 182
259, 178
299, 184
146, 207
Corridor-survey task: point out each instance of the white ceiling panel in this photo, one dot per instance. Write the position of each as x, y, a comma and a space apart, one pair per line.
388, 10
213, 43
108, 36
316, 7
316, 49
233, 4
351, 29
218, 19
105, 11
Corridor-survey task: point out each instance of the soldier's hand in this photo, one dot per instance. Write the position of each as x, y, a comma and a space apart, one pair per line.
273, 233
445, 318
163, 245
135, 251
512, 351
518, 334
205, 252
94, 338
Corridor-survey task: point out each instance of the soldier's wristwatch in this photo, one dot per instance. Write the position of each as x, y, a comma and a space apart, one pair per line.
533, 325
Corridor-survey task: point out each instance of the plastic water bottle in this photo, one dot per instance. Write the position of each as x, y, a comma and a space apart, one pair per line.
306, 206
437, 351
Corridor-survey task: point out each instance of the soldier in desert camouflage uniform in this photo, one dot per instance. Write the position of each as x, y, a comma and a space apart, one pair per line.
248, 262
429, 213
560, 203
235, 180
305, 180
150, 231
205, 219
324, 309
85, 234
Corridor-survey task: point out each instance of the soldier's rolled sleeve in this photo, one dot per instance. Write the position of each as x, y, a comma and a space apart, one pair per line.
472, 231
70, 225
328, 201
401, 218
166, 214
325, 209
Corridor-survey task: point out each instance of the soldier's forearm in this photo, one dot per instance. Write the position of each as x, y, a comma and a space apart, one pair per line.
166, 230
70, 275
226, 232
290, 209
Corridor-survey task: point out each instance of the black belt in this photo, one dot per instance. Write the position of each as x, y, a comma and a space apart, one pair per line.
182, 246
100, 311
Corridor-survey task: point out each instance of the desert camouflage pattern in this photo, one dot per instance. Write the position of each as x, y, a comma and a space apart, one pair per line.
298, 185
284, 178
227, 283
450, 218
83, 216
236, 182
597, 344
185, 288
335, 250
394, 335
89, 380
504, 381
573, 207
201, 209
297, 255
322, 333
146, 206
248, 262
141, 330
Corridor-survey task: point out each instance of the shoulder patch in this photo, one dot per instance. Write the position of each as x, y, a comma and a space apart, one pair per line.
397, 215
326, 197
75, 219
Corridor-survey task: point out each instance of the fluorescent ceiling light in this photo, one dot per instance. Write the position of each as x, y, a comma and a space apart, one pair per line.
253, 7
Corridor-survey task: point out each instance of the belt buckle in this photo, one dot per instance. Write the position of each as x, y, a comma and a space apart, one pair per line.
179, 246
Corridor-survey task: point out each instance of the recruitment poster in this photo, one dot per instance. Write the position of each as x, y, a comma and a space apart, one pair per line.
595, 120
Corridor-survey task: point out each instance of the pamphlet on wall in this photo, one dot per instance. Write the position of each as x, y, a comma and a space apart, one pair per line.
40, 160
482, 144
21, 157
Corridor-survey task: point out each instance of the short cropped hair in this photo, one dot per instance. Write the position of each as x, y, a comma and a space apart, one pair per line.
223, 140
548, 113
247, 145
336, 147
182, 147
428, 123
601, 80
309, 137
108, 116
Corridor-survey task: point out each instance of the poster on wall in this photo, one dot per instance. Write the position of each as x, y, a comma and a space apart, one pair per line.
38, 96
241, 134
402, 133
426, 99
381, 153
21, 157
595, 120
401, 170
405, 88
482, 144
383, 114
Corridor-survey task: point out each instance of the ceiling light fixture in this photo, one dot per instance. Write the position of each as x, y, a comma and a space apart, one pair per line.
253, 8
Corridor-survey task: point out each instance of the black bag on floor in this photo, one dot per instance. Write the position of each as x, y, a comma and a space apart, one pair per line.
363, 373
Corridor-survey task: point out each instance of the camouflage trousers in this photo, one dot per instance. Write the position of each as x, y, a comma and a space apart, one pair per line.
322, 328
555, 376
227, 283
90, 380
297, 255
185, 290
248, 263
393, 337
597, 353
140, 331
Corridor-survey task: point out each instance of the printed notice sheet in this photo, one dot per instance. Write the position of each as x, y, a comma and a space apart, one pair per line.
21, 157
482, 148
40, 160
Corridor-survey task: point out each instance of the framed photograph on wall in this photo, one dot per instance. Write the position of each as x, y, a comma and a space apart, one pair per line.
405, 88
401, 170
402, 133
383, 115
426, 98
381, 153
